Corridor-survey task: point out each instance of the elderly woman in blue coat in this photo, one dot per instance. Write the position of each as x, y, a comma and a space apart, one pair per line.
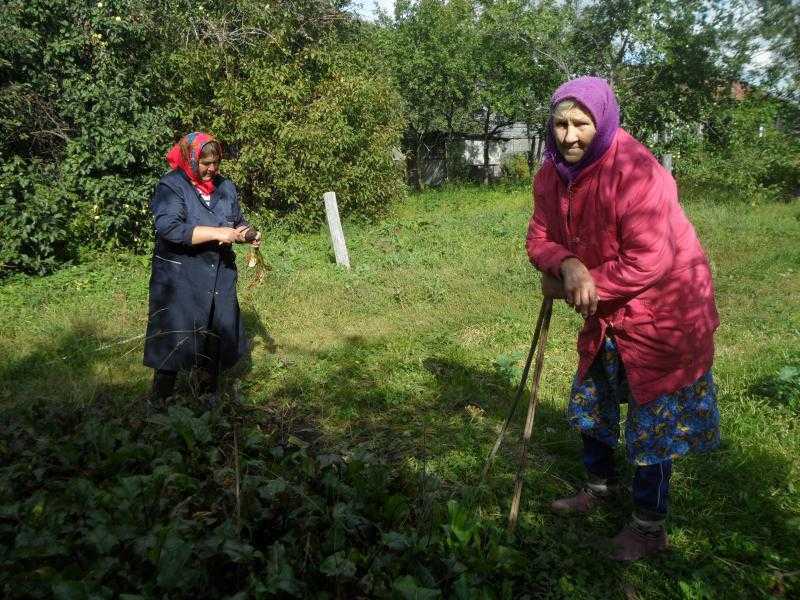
194, 320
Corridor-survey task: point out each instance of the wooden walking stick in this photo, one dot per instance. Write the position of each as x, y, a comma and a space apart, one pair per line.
547, 310
518, 393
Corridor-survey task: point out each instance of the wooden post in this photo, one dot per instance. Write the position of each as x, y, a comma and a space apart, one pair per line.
666, 161
335, 226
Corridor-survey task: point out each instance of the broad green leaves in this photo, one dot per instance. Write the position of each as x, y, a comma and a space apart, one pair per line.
94, 504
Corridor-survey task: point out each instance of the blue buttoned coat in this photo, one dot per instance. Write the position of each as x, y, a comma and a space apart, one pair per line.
192, 288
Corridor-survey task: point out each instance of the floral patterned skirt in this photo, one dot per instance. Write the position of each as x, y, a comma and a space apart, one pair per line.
668, 427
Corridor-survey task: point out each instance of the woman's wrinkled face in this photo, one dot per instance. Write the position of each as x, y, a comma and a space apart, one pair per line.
573, 129
208, 163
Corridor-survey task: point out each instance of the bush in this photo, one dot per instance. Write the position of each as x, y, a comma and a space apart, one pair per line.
739, 161
97, 92
300, 134
34, 218
87, 127
302, 103
515, 168
99, 503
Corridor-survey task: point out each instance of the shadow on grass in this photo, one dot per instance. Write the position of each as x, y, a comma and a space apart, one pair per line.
730, 521
781, 389
255, 331
731, 506
106, 496
411, 410
434, 428
72, 367
83, 365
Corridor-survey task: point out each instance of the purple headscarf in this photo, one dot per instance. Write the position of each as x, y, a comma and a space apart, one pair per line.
596, 95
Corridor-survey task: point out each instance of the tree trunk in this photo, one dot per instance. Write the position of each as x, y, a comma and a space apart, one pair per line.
540, 142
447, 158
486, 148
447, 141
418, 152
531, 154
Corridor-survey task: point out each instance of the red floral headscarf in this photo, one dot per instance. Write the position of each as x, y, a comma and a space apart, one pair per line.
185, 156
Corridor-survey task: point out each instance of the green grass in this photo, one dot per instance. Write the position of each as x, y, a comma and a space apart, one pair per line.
415, 353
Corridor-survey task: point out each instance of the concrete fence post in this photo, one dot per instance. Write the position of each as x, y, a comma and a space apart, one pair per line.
335, 227
666, 162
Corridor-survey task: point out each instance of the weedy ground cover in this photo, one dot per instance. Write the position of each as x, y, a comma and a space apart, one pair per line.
347, 462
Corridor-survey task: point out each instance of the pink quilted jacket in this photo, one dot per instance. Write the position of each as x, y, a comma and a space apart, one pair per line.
622, 219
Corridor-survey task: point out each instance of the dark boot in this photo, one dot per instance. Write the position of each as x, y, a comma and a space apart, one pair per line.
595, 492
208, 368
207, 382
638, 539
163, 387
208, 386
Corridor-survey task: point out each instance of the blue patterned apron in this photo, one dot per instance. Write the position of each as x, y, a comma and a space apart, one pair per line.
668, 427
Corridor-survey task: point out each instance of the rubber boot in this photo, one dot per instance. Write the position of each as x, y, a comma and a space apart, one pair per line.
208, 387
163, 387
638, 539
595, 492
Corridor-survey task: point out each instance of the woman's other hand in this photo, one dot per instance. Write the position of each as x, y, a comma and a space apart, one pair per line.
552, 287
252, 237
579, 287
228, 235
241, 233
223, 235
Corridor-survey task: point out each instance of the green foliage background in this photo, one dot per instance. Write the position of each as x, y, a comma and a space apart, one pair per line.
477, 65
97, 92
86, 125
746, 155
308, 98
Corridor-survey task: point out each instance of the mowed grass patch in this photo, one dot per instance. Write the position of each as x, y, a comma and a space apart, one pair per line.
415, 354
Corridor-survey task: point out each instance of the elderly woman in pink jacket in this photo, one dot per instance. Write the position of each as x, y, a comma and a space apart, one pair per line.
611, 239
